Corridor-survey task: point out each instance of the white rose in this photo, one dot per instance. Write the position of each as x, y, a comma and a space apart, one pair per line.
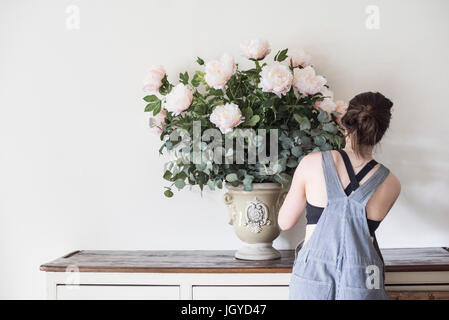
179, 99
255, 49
307, 82
226, 117
276, 78
153, 79
299, 57
218, 72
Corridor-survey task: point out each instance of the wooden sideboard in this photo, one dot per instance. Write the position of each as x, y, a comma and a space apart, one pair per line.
411, 273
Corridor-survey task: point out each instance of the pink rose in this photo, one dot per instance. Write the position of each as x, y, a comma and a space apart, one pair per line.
218, 72
159, 120
255, 49
307, 82
298, 57
153, 79
179, 99
276, 78
226, 117
341, 108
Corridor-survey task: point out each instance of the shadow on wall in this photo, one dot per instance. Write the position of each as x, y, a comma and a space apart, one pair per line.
423, 170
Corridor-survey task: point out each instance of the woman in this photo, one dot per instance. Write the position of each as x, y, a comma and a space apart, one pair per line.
346, 194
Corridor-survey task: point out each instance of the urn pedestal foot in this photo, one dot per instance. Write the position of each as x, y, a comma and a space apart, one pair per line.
257, 251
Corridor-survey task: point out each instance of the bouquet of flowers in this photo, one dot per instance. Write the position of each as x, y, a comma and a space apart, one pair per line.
280, 107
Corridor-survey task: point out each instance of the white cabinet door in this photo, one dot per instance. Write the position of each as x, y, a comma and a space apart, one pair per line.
116, 292
240, 292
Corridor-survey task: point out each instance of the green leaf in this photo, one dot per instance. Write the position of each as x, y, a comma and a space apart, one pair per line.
157, 109
211, 184
153, 104
200, 109
231, 177
151, 99
248, 113
292, 163
167, 175
253, 121
305, 124
330, 127
168, 193
296, 151
248, 183
198, 78
298, 118
323, 116
281, 56
180, 184
319, 140
184, 78
199, 61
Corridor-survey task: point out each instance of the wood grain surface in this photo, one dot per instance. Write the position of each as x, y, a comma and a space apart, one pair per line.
223, 261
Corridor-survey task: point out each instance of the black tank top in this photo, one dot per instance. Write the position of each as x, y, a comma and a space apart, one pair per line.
313, 213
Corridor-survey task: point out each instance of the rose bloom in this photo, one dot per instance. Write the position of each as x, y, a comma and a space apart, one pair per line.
341, 108
218, 72
159, 120
179, 99
307, 82
255, 49
327, 105
299, 57
325, 92
226, 117
153, 79
276, 78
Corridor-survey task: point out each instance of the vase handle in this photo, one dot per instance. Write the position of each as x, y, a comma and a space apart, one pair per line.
282, 196
228, 201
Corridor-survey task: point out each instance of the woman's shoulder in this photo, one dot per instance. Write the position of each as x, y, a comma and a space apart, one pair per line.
393, 184
311, 160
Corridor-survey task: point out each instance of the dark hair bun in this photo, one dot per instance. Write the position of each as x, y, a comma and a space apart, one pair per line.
367, 118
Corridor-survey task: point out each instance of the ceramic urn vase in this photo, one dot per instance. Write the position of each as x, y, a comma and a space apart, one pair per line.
254, 217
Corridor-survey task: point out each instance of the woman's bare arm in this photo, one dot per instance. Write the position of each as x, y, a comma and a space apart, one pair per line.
295, 200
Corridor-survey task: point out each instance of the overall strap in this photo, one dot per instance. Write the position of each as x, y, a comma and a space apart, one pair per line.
366, 190
333, 185
362, 173
354, 184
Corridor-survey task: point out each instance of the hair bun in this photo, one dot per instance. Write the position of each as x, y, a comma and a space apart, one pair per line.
367, 118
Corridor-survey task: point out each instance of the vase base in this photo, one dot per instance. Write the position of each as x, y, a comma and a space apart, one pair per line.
257, 251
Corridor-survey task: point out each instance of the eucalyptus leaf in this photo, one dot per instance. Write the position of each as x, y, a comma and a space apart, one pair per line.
231, 177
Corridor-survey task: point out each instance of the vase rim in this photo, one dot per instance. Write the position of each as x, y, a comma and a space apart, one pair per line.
257, 186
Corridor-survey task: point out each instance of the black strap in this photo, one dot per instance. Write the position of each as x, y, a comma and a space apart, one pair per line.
367, 168
362, 173
354, 184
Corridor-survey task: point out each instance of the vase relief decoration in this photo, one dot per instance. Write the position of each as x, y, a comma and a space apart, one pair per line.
245, 130
254, 217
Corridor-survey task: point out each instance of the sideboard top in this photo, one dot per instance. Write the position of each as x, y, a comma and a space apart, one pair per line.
223, 261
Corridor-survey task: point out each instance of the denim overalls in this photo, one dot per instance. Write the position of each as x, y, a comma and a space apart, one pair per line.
339, 261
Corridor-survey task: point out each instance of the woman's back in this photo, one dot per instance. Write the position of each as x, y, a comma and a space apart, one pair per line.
315, 186
350, 194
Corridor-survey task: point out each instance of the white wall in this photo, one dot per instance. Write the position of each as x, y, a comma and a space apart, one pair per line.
79, 167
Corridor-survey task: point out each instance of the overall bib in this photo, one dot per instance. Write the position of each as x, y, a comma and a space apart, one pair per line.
339, 261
